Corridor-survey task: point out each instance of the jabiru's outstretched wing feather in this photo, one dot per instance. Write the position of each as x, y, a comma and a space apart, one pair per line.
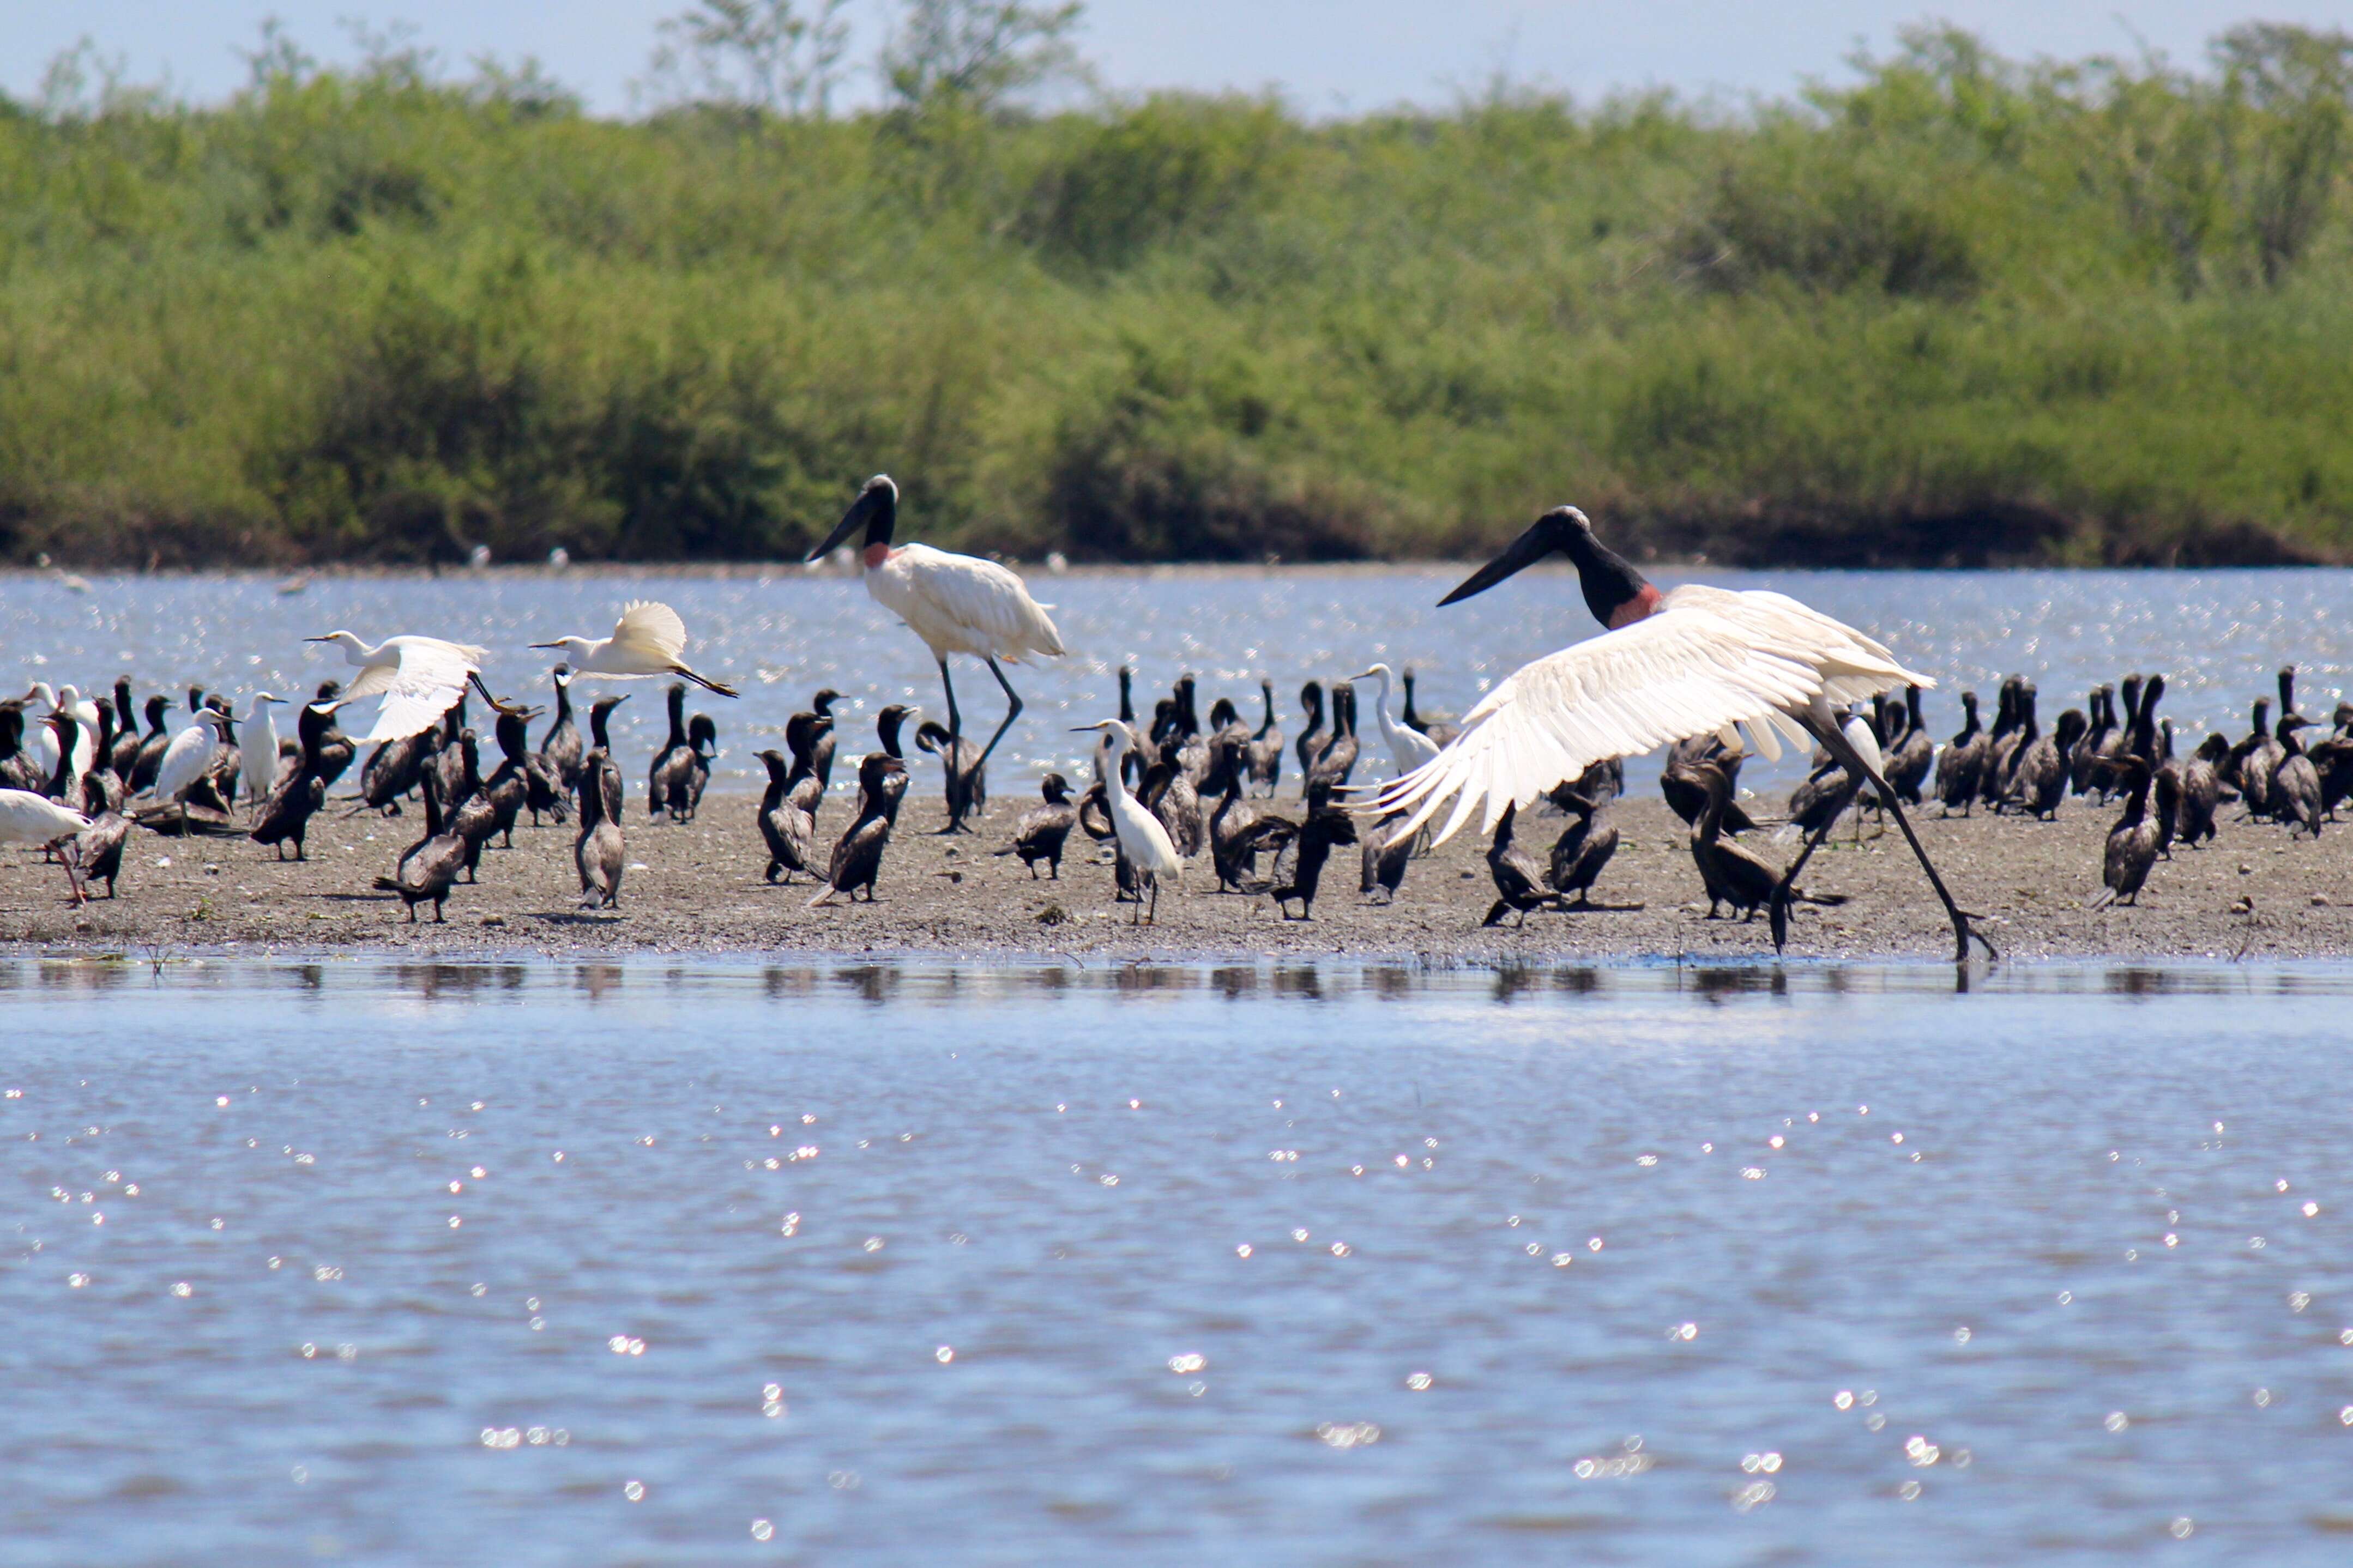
1708, 659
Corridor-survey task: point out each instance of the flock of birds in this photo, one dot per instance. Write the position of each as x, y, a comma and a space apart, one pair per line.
1710, 674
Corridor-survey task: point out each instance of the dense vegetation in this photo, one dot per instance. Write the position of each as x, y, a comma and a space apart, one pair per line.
1966, 309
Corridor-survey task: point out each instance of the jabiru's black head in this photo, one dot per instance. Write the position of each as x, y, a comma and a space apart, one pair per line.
876, 510
1615, 593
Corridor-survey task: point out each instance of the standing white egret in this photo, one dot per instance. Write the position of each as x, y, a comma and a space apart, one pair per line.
257, 749
26, 818
188, 759
419, 679
649, 639
69, 701
1675, 665
1410, 747
956, 603
1142, 839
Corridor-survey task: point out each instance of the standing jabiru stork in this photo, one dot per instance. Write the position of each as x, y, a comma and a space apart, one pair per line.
1689, 662
956, 603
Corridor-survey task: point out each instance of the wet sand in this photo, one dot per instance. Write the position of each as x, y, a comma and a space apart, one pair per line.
698, 888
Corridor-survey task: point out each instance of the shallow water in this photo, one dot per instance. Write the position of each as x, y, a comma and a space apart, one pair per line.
700, 1262
2216, 635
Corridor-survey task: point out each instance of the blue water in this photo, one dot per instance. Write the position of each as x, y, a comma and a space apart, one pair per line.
2218, 636
948, 1266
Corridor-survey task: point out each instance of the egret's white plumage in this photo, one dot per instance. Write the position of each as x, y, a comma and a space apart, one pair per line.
188, 757
41, 741
649, 639
1706, 661
1142, 839
419, 679
1410, 746
257, 749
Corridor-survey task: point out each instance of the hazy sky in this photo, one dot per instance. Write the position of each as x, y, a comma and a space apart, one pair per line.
1324, 55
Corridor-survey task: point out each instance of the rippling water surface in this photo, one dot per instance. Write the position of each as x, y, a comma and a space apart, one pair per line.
645, 1262
2216, 635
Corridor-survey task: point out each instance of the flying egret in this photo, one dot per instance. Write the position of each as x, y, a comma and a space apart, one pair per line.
1142, 839
188, 760
26, 818
1410, 747
257, 749
956, 603
649, 639
1694, 660
419, 679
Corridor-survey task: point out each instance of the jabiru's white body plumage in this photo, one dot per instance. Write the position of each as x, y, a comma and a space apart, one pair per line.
649, 639
956, 603
419, 678
1142, 839
1691, 661
37, 821
1408, 746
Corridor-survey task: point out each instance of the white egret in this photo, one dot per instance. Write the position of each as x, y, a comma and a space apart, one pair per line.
42, 740
257, 749
1142, 839
956, 603
29, 818
649, 639
1696, 660
188, 759
1410, 747
419, 679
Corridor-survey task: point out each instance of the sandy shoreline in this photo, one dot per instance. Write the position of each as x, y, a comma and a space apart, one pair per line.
697, 888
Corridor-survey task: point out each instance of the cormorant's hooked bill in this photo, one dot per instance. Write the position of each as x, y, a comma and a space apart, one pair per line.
876, 510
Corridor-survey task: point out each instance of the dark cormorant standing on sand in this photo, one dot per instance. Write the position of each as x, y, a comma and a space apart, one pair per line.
429, 868
599, 852
2132, 842
1043, 829
857, 857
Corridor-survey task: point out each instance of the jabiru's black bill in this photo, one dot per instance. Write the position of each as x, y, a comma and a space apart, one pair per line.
1523, 553
878, 492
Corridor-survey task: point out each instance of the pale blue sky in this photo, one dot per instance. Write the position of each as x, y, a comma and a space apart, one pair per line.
1322, 55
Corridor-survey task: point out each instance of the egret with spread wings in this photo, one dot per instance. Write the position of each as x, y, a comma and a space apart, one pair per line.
1691, 661
649, 639
419, 679
956, 603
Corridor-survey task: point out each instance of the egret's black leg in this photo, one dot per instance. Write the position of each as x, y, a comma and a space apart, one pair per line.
1012, 711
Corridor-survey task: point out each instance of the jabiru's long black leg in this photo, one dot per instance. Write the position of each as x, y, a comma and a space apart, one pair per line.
1012, 711
1823, 726
956, 720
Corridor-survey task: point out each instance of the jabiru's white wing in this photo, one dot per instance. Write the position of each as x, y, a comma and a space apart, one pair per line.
426, 683
1707, 660
652, 628
963, 604
29, 818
